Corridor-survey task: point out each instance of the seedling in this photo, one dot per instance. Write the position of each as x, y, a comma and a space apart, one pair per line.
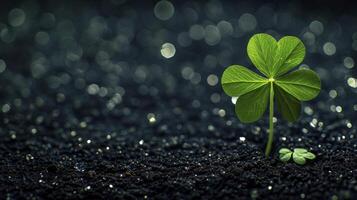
273, 59
299, 155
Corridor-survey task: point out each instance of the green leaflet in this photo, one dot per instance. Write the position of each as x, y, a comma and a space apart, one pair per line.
303, 84
284, 151
299, 155
261, 50
251, 106
285, 157
274, 58
304, 153
300, 150
238, 80
309, 156
290, 53
299, 159
288, 106
285, 154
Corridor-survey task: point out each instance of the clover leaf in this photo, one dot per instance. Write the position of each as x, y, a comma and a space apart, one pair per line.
274, 59
299, 155
285, 154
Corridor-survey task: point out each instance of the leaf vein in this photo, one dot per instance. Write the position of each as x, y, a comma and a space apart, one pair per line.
299, 84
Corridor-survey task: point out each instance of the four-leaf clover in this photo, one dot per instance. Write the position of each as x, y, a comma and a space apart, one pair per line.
274, 60
299, 155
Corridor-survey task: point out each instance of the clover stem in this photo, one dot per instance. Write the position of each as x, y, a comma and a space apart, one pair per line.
271, 125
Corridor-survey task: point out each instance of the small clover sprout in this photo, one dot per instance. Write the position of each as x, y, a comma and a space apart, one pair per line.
274, 59
299, 155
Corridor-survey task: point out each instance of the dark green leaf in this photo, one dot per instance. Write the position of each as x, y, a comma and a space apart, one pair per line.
251, 106
288, 106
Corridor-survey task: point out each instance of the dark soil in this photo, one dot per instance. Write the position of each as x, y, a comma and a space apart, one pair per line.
183, 155
176, 167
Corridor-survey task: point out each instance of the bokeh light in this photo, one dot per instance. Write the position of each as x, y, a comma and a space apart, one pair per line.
17, 17
329, 48
168, 50
164, 10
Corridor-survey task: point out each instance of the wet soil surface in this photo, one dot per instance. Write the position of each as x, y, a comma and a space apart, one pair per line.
61, 151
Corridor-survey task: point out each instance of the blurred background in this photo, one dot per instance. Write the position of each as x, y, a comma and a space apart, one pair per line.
121, 66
